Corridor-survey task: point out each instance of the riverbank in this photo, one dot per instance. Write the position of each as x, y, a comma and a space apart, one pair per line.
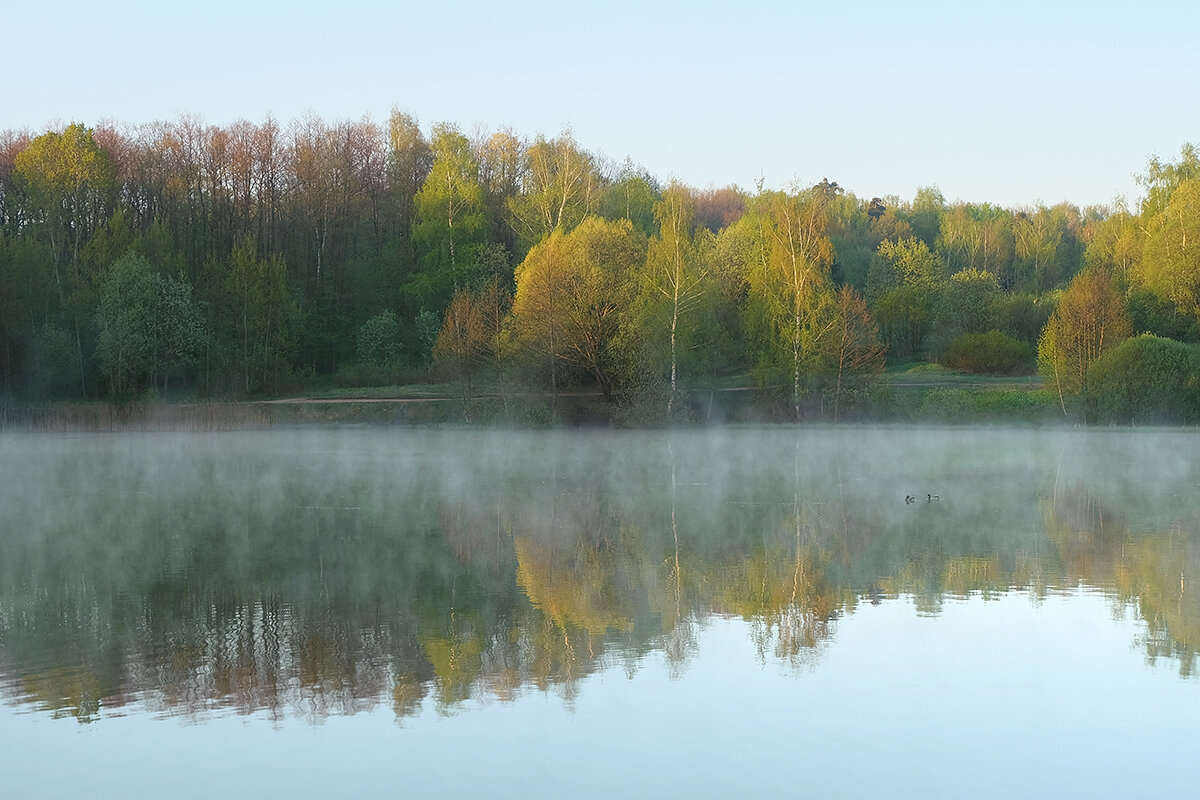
920, 399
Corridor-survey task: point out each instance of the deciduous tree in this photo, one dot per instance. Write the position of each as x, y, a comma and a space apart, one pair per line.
676, 268
449, 215
462, 344
852, 348
560, 188
966, 304
1089, 319
632, 196
792, 282
68, 183
570, 289
1171, 260
264, 317
149, 326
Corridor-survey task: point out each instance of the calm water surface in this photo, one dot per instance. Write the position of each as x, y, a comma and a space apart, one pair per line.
827, 612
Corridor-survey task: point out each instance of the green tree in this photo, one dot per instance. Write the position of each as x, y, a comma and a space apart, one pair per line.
991, 353
1023, 316
51, 361
1162, 178
903, 286
967, 304
673, 281
791, 283
1151, 313
978, 237
180, 335
408, 164
29, 328
1171, 259
905, 262
850, 227
379, 339
925, 214
632, 196
428, 325
1089, 319
1115, 241
1046, 250
149, 326
570, 291
560, 188
449, 216
69, 186
262, 316
501, 160
852, 349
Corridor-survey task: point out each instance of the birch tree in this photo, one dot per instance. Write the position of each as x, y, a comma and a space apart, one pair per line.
1171, 258
559, 188
449, 215
853, 347
1090, 318
675, 272
793, 280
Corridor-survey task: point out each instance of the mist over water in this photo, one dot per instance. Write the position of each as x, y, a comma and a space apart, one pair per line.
427, 575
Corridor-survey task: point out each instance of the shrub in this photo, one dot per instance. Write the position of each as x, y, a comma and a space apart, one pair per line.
1145, 379
991, 353
379, 339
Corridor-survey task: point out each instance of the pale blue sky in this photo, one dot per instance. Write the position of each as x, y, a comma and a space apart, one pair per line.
1010, 103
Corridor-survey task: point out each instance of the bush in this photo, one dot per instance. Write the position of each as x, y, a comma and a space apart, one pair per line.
1145, 379
379, 339
991, 353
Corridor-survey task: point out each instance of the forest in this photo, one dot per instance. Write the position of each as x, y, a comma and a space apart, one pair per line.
185, 260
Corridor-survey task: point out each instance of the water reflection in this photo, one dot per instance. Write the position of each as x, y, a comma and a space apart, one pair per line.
310, 574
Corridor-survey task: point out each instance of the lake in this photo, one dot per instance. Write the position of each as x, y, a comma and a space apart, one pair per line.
827, 612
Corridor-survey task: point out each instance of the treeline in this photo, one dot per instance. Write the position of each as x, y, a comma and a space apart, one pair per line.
230, 261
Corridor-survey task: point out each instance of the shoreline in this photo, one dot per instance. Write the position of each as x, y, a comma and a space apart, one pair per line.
703, 409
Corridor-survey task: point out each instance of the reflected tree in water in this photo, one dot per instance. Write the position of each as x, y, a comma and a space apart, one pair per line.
325, 582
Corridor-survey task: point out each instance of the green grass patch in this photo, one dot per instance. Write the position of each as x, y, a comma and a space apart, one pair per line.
921, 375
1000, 405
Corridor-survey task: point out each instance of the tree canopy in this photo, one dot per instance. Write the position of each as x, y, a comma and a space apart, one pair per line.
279, 243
